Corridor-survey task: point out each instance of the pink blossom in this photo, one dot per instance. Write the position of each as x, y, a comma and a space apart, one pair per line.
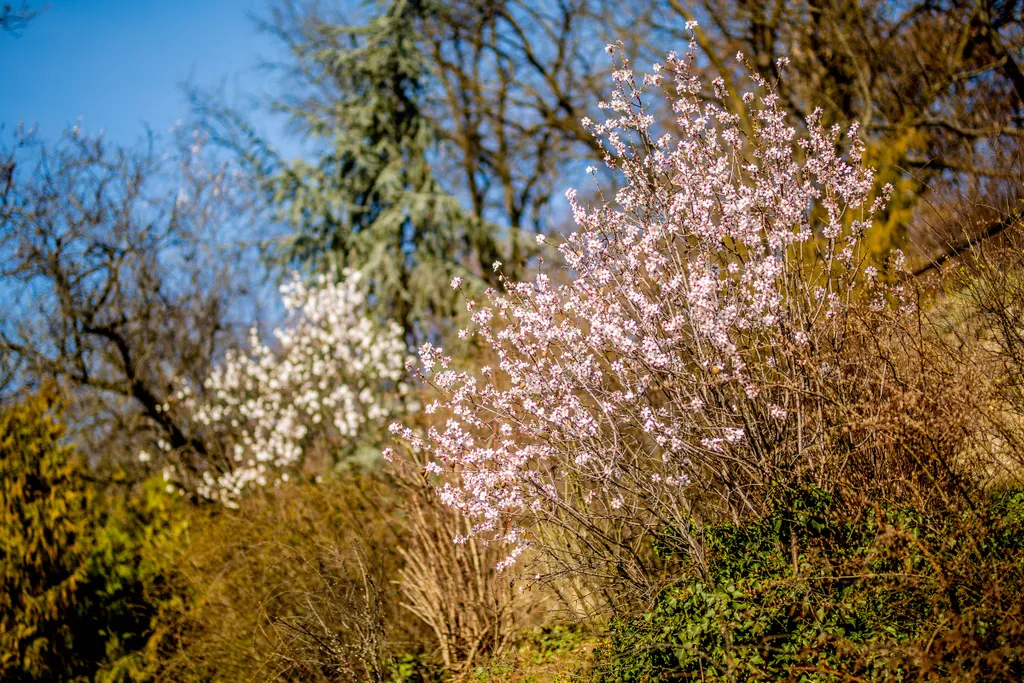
686, 302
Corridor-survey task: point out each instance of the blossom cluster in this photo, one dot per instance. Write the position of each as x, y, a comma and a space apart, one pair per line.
330, 373
662, 373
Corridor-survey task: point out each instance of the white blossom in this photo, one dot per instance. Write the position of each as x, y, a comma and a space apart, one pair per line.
330, 372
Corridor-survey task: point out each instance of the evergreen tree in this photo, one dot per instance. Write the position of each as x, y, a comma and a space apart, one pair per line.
371, 200
43, 563
78, 569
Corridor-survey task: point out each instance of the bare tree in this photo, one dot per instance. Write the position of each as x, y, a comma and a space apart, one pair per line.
13, 19
935, 86
513, 83
118, 280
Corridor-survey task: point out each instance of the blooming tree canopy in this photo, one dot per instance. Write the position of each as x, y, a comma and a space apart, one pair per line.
332, 375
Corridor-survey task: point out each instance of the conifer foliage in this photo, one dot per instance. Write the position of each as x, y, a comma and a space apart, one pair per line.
370, 201
44, 518
74, 578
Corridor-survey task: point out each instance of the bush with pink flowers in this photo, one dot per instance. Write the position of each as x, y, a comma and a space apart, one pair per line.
686, 364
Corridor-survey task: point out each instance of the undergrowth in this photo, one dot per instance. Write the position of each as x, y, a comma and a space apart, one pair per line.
826, 589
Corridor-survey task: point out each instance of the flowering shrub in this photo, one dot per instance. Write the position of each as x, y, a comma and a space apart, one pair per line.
679, 373
333, 374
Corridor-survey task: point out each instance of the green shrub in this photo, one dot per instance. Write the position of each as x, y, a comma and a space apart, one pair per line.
821, 590
79, 567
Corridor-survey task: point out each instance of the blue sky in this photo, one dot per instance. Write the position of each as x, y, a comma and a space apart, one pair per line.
119, 64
